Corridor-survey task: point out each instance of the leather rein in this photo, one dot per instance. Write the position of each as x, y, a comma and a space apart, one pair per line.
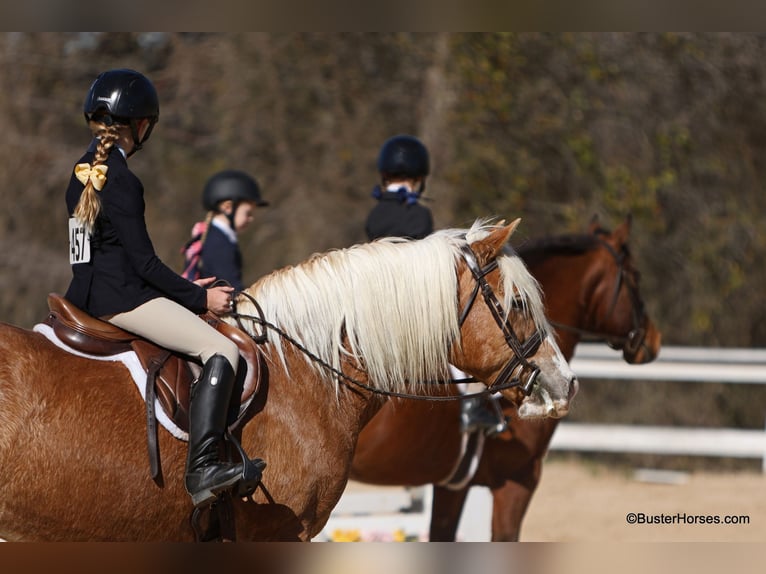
503, 381
635, 337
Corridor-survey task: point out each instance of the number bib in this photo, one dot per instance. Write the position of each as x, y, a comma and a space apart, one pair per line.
79, 242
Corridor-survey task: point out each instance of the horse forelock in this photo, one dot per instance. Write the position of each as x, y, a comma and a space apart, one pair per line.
518, 282
391, 305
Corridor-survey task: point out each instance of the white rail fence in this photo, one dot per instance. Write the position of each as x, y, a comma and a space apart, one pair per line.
377, 510
693, 364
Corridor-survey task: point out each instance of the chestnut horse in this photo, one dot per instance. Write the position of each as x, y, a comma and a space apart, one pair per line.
343, 328
591, 289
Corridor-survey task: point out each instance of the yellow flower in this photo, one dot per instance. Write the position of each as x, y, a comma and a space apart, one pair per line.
339, 535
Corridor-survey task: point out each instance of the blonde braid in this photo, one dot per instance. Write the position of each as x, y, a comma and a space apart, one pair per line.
208, 222
89, 206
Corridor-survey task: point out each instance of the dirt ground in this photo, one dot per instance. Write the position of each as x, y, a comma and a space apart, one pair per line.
577, 502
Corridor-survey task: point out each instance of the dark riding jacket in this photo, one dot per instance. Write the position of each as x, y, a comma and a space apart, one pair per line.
124, 271
394, 217
221, 257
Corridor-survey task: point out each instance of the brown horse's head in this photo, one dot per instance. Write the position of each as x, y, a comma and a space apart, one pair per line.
505, 337
612, 299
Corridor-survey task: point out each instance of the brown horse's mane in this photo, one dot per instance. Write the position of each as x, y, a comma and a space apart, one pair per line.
534, 250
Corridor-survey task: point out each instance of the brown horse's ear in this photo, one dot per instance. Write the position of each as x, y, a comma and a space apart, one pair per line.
490, 247
595, 224
622, 231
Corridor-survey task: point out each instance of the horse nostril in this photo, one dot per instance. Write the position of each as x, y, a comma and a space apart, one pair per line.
574, 386
551, 412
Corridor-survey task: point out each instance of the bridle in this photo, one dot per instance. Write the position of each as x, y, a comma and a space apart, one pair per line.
520, 350
503, 381
635, 337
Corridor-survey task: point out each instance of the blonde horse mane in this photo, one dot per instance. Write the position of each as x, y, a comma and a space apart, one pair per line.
391, 305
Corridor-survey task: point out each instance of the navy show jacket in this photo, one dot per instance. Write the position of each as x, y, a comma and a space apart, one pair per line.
124, 271
221, 257
392, 217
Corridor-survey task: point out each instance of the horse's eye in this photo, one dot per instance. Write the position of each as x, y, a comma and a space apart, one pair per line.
517, 303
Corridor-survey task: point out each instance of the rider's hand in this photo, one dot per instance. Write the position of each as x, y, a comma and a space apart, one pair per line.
219, 299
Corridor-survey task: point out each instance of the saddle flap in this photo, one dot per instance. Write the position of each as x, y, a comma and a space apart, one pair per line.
173, 382
175, 377
178, 372
249, 350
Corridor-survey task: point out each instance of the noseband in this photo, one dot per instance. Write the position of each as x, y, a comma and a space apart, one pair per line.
520, 350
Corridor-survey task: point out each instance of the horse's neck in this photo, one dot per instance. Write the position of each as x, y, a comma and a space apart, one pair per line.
562, 279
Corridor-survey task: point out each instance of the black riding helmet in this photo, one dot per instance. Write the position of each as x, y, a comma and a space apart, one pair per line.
123, 96
231, 184
403, 155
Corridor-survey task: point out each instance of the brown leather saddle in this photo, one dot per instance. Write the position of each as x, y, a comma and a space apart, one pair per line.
174, 372
169, 375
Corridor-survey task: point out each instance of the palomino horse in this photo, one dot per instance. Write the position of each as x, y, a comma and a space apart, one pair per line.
342, 327
591, 288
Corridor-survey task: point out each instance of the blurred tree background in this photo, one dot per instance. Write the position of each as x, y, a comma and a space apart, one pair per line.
551, 127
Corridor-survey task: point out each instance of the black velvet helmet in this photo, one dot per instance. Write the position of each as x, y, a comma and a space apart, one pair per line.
123, 96
403, 155
231, 184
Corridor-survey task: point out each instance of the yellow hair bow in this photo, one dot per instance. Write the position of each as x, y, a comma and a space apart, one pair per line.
96, 174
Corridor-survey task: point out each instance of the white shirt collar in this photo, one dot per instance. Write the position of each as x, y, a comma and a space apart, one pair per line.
394, 187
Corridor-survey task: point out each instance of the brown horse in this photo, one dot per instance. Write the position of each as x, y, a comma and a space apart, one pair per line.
343, 328
591, 288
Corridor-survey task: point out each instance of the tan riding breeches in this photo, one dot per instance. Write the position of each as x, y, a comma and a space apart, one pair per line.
173, 326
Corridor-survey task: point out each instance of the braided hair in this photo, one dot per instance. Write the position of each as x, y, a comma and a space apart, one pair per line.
89, 205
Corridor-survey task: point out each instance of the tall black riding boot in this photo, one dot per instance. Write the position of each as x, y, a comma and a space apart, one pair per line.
206, 474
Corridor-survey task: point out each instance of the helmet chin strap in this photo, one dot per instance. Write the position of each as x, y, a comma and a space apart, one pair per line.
234, 207
139, 143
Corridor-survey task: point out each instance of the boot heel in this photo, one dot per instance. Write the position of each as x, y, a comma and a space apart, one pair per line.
208, 495
203, 498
